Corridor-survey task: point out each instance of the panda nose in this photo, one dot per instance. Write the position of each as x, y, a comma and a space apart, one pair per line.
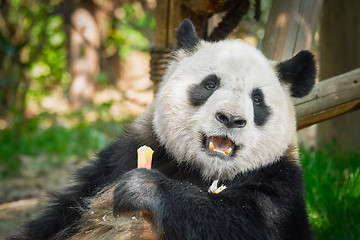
230, 121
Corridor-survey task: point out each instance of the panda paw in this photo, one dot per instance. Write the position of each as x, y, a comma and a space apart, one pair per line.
139, 189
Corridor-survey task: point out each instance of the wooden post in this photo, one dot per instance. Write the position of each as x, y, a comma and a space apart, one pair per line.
339, 53
290, 27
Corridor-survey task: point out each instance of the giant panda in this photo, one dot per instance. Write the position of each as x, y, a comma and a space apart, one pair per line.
223, 115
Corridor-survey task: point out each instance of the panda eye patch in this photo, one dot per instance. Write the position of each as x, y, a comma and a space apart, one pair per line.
200, 93
262, 112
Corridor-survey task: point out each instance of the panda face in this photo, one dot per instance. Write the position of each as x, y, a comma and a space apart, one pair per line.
223, 110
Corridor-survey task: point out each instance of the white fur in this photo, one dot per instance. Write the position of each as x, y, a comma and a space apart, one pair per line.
241, 69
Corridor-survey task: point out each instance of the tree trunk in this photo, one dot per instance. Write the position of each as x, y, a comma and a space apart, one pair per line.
84, 54
339, 53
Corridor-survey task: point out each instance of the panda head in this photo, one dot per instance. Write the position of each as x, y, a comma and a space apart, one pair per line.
223, 108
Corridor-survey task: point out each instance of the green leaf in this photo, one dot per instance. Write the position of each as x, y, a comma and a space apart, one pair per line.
40, 69
102, 77
57, 39
54, 23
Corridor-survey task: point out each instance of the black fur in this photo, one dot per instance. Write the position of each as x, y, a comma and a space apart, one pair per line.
198, 94
299, 72
262, 204
186, 37
262, 112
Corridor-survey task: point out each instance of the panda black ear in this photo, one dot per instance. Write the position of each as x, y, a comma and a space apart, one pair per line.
299, 72
186, 37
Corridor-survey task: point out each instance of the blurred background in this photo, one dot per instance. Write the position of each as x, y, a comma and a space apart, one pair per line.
73, 73
65, 66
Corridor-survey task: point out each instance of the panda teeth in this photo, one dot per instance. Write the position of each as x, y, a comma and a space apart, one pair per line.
226, 151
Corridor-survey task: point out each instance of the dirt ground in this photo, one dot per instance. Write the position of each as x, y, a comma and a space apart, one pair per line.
21, 199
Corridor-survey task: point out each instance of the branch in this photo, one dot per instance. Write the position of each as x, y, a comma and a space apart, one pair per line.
329, 98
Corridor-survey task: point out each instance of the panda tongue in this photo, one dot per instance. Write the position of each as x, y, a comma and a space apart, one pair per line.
221, 143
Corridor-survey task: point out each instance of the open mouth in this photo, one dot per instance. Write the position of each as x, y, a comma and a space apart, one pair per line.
220, 144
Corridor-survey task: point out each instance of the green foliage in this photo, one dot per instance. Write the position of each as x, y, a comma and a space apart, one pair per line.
32, 44
48, 42
132, 29
34, 55
45, 137
333, 192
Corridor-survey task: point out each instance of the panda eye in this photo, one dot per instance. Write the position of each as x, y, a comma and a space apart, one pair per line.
210, 85
257, 100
